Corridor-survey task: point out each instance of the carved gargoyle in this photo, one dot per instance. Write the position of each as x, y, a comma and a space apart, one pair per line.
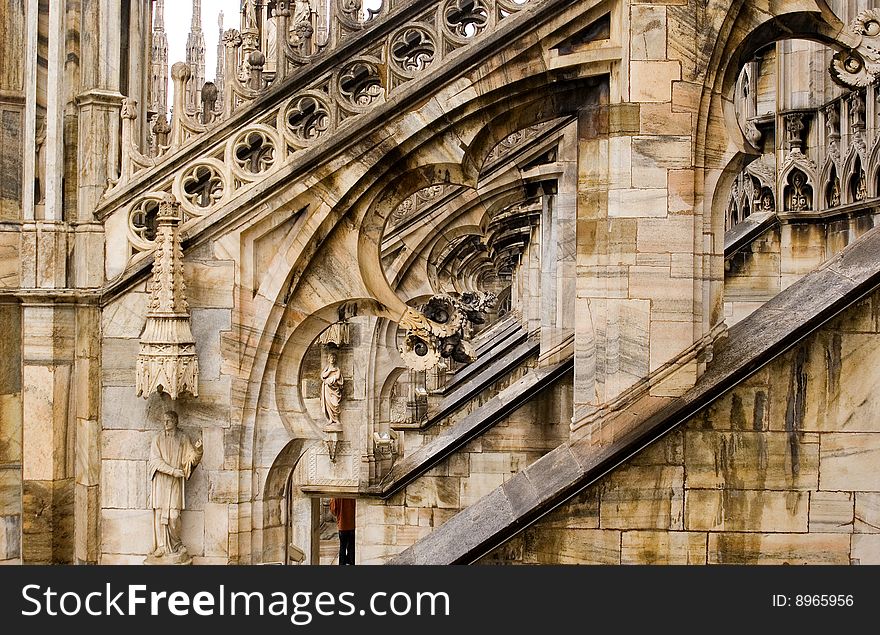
437, 330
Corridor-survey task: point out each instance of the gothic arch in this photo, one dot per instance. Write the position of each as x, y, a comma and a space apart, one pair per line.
832, 194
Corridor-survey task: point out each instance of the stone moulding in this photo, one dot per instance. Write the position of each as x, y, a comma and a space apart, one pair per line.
167, 359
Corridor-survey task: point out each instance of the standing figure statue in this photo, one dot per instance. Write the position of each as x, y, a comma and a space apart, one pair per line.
302, 12
172, 459
331, 393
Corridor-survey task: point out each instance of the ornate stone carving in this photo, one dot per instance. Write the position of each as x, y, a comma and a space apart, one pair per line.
753, 133
437, 331
336, 334
412, 49
794, 127
253, 152
798, 193
203, 186
331, 393
465, 19
832, 125
360, 84
306, 118
173, 456
859, 66
167, 360
418, 202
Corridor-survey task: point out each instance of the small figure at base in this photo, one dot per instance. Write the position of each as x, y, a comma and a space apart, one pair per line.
343, 509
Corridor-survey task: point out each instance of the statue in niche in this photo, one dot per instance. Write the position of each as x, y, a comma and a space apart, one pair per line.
302, 12
331, 392
172, 459
301, 29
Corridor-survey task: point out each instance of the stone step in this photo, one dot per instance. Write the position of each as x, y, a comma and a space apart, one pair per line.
504, 403
487, 353
481, 380
745, 232
570, 468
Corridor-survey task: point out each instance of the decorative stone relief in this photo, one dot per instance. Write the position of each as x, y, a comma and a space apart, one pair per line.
794, 128
359, 84
437, 330
379, 66
798, 193
860, 66
331, 393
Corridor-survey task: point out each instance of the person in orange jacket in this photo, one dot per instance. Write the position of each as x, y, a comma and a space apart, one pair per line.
343, 510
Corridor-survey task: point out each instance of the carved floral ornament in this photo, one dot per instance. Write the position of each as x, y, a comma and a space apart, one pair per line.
359, 84
412, 49
305, 118
256, 150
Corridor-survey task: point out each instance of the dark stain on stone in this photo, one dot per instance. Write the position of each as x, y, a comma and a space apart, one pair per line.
758, 412
737, 413
832, 366
796, 404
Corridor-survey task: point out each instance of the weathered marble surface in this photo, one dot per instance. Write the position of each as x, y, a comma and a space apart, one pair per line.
747, 477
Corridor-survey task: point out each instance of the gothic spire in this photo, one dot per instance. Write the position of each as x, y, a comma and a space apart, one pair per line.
159, 21
221, 57
195, 59
196, 16
158, 102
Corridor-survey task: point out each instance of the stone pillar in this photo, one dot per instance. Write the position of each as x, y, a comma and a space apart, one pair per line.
139, 33
100, 102
48, 331
549, 232
54, 150
30, 112
533, 282
566, 220
597, 278
14, 27
10, 433
87, 433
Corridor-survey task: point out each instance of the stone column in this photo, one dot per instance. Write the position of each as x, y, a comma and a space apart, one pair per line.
100, 102
139, 34
10, 433
30, 113
14, 26
54, 150
533, 282
87, 433
597, 278
47, 485
549, 232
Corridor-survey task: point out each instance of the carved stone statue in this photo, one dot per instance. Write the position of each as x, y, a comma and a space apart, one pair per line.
331, 393
302, 12
172, 459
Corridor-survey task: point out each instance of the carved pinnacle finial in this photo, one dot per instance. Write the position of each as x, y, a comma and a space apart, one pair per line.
196, 16
167, 359
159, 23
